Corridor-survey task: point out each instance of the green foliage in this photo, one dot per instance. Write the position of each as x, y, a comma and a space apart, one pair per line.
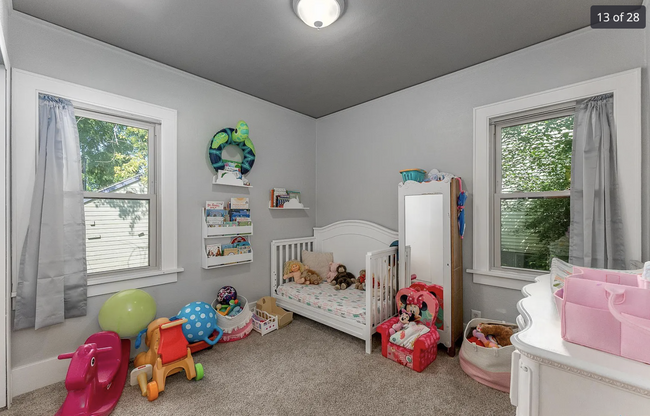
111, 153
536, 157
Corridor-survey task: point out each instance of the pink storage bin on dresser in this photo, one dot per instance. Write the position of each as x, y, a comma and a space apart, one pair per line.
607, 311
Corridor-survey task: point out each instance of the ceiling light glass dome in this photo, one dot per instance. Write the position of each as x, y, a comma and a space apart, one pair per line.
318, 13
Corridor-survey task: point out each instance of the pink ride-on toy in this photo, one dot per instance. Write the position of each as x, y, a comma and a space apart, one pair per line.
96, 375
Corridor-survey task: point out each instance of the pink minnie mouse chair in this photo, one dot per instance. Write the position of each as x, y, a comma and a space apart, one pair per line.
424, 306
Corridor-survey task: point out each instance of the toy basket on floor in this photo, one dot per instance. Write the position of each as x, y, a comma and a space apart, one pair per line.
264, 322
235, 327
417, 175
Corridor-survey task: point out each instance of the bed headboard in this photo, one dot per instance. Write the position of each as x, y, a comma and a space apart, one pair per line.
351, 240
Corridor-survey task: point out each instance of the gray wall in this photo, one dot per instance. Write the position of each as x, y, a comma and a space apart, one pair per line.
361, 150
5, 10
284, 140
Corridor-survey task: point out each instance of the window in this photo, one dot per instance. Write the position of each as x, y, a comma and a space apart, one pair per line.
129, 172
531, 189
118, 174
494, 263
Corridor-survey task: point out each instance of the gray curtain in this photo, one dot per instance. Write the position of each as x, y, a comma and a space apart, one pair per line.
596, 238
52, 270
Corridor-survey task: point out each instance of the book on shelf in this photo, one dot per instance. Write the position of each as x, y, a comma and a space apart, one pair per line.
214, 205
231, 251
235, 214
294, 195
238, 203
213, 250
277, 193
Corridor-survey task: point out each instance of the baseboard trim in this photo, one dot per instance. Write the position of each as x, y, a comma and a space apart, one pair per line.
36, 375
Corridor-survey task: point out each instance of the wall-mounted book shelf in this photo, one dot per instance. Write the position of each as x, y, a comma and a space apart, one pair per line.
288, 208
212, 257
229, 180
223, 261
280, 198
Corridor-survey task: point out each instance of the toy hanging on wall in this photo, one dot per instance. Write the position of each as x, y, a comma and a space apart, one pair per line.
232, 136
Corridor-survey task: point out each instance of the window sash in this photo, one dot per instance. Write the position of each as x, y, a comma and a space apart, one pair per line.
151, 196
496, 125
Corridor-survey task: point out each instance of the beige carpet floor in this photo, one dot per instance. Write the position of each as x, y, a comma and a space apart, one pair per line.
303, 369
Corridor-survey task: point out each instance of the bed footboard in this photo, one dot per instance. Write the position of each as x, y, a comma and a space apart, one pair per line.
381, 288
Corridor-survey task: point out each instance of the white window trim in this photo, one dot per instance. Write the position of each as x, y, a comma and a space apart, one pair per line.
26, 88
626, 87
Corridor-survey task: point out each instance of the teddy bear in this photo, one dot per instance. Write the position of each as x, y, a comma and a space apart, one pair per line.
501, 333
311, 277
361, 280
294, 269
343, 279
332, 272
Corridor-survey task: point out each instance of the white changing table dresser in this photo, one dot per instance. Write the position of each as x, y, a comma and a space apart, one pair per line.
551, 377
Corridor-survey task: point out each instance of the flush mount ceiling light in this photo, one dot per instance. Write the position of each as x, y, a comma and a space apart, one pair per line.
318, 13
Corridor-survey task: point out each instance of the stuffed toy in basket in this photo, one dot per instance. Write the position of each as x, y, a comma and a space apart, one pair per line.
419, 308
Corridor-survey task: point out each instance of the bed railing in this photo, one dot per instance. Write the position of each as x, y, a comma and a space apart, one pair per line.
283, 251
381, 287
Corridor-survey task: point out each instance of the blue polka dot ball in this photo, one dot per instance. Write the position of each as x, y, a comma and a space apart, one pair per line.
201, 321
226, 294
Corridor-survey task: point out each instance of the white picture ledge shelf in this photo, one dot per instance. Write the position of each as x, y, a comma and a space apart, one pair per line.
291, 204
223, 261
230, 180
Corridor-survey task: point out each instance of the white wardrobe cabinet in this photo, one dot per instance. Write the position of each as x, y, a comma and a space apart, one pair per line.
428, 225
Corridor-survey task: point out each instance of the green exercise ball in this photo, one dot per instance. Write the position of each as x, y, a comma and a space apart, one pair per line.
127, 312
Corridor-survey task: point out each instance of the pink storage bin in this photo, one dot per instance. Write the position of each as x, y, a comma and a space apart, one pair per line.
606, 311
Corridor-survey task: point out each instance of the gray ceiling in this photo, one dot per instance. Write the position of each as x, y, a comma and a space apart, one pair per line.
262, 48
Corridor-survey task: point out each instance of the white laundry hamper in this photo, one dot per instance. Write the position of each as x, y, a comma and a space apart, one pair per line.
489, 366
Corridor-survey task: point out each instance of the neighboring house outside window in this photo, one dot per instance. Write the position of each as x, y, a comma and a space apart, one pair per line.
118, 166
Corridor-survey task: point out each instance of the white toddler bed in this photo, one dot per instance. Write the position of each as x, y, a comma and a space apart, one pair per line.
359, 245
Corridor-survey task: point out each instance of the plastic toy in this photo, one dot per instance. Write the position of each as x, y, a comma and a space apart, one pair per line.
140, 375
226, 294
96, 375
201, 322
168, 354
224, 310
127, 312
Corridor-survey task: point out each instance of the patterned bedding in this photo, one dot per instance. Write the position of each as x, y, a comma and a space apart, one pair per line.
349, 303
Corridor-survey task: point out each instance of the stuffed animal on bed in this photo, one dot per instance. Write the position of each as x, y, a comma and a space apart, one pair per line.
361, 280
343, 279
294, 269
310, 276
332, 273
